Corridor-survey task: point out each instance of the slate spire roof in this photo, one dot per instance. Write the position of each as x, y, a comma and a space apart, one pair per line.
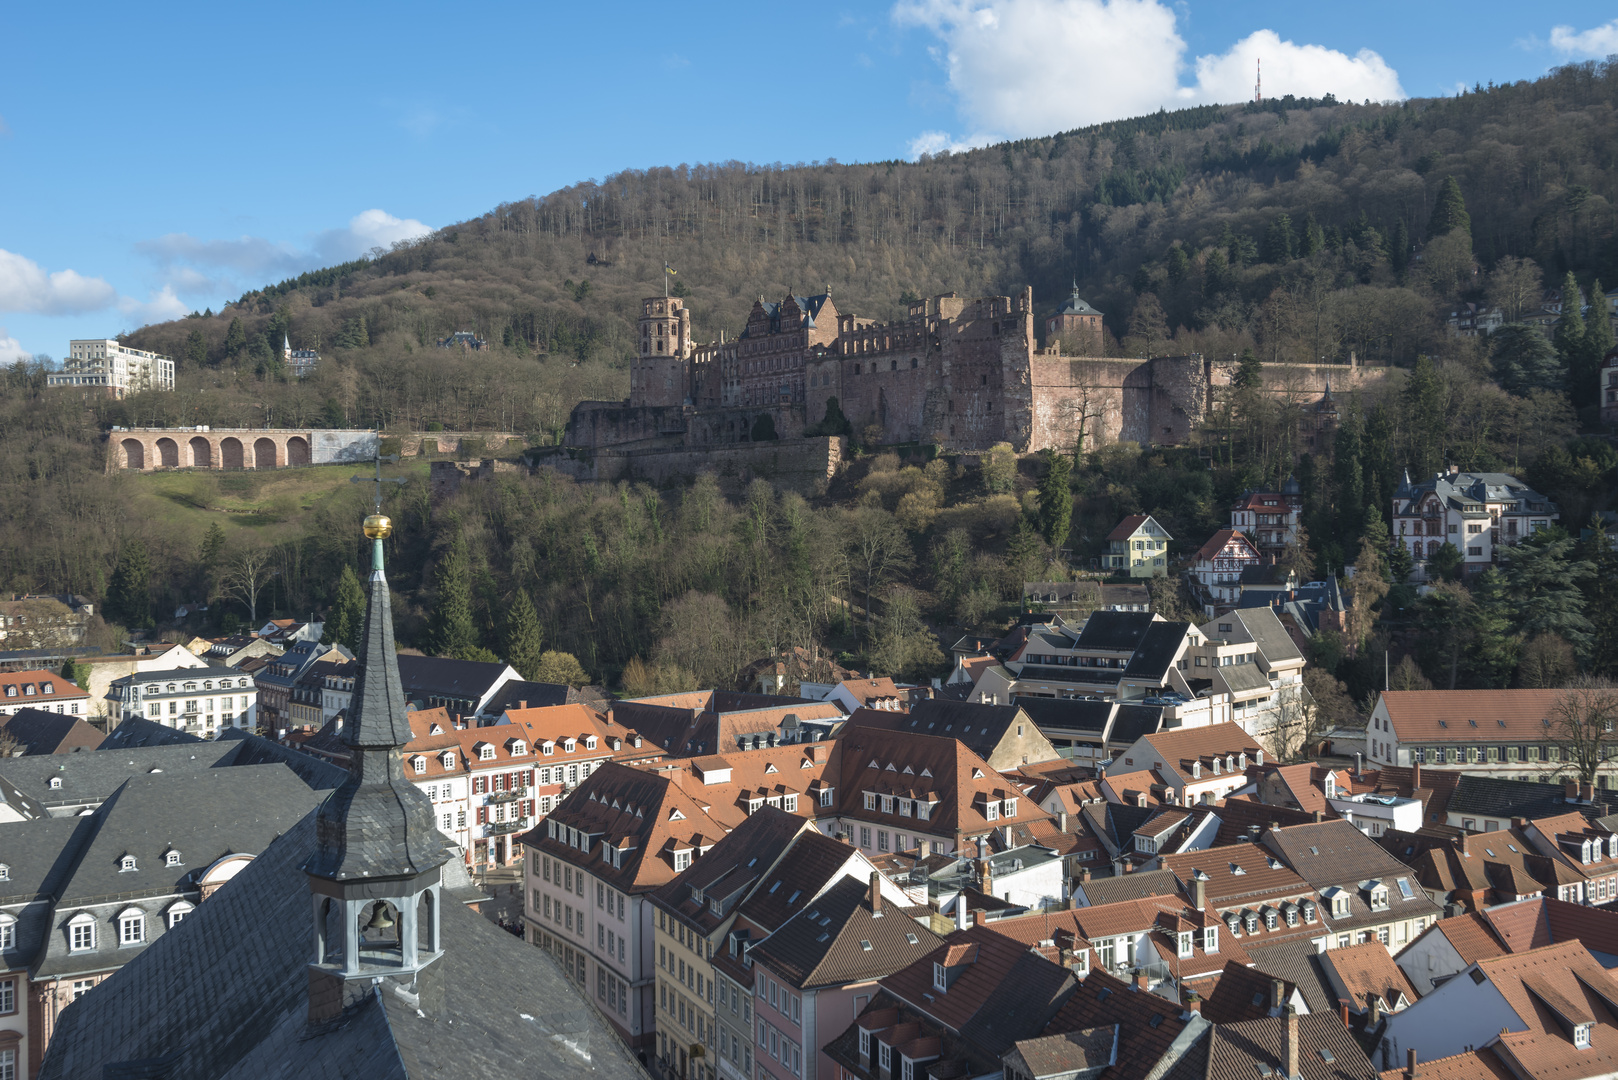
377, 824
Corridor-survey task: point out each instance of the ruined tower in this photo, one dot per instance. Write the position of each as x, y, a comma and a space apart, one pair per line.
659, 375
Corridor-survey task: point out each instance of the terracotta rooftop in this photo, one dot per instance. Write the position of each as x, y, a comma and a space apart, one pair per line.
1366, 971
1472, 1065
1469, 716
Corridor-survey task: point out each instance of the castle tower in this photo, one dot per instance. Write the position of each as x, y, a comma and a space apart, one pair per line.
1077, 325
374, 873
659, 375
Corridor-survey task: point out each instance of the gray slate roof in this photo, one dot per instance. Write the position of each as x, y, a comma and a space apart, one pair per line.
92, 778
139, 731
226, 993
204, 816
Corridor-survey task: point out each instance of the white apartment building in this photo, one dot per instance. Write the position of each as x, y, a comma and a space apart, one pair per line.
1480, 513
103, 363
203, 701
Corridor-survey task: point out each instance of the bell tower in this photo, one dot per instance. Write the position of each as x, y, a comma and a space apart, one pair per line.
374, 876
660, 374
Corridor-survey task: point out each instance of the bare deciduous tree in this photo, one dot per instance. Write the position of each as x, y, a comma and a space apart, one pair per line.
247, 576
1581, 722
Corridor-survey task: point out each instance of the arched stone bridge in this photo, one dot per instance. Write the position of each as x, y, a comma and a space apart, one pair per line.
148, 449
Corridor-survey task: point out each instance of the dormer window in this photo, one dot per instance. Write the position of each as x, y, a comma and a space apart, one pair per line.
419, 763
1581, 1036
126, 864
992, 810
5, 872
1331, 786
682, 860
1196, 770
569, 745
485, 752
1010, 806
208, 685
449, 761
56, 783
547, 748
1184, 944
1210, 939
81, 932
171, 858
1250, 923
940, 981
590, 743
518, 748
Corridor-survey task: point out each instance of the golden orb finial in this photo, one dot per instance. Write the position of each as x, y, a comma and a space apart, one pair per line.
378, 526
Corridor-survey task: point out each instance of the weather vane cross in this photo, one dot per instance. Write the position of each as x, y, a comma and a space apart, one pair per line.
379, 479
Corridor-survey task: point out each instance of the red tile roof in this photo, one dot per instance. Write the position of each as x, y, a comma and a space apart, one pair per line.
1468, 716
1367, 970
1217, 542
1126, 528
1472, 1065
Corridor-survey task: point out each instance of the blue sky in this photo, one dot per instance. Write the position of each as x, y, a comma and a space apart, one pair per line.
159, 159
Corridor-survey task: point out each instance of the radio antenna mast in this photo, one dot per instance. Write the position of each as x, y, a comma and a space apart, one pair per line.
1258, 87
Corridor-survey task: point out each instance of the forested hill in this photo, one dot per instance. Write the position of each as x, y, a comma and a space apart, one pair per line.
1215, 211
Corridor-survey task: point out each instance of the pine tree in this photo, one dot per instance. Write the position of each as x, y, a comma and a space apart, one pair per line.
1314, 237
1178, 264
449, 625
346, 622
129, 599
1600, 599
1570, 324
1279, 242
235, 339
1449, 211
1423, 407
522, 634
196, 349
1544, 584
1598, 342
209, 553
1523, 360
1399, 247
1249, 372
1056, 499
1492, 653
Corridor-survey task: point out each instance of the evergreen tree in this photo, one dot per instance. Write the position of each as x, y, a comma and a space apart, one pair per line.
1598, 342
75, 672
1399, 247
1249, 372
1449, 212
1570, 324
449, 625
1524, 360
1178, 264
209, 554
1279, 242
1447, 561
196, 349
1492, 653
522, 634
1544, 583
235, 339
1423, 408
129, 598
1444, 619
1314, 238
1056, 498
346, 622
1600, 599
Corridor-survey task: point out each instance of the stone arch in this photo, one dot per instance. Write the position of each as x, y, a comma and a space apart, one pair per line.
264, 456
134, 454
168, 453
230, 453
201, 452
297, 450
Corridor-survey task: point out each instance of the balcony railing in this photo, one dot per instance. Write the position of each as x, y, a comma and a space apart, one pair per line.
501, 828
508, 796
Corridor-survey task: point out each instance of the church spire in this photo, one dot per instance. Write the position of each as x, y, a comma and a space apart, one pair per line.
375, 870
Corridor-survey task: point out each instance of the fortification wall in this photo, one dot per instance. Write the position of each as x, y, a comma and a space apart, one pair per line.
1160, 400
148, 449
797, 464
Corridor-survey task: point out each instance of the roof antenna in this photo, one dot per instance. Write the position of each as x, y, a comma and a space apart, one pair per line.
1258, 87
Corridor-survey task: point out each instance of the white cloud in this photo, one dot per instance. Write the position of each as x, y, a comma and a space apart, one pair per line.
1599, 41
11, 349
205, 268
24, 286
372, 228
1033, 67
160, 306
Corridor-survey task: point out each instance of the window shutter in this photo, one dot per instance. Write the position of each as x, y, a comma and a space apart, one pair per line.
483, 815
530, 777
530, 804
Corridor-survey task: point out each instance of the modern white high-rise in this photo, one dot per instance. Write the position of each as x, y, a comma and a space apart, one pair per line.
106, 364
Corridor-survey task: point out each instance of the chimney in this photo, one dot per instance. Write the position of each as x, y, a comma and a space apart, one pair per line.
1320, 815
1141, 982
1278, 995
1193, 1003
1061, 821
1199, 891
1292, 1042
1410, 1064
961, 917
1084, 875
980, 917
1466, 845
523, 703
1373, 1013
1356, 764
1415, 776
876, 892
1519, 823
1570, 791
